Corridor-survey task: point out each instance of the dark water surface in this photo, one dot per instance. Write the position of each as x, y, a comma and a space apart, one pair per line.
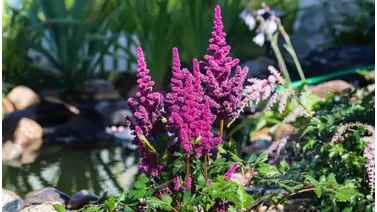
72, 169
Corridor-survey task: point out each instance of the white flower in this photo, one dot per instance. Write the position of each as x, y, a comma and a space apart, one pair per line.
249, 19
259, 39
270, 26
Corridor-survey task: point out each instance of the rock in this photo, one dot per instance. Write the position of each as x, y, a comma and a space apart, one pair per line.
258, 66
39, 208
125, 83
7, 106
330, 86
283, 129
113, 112
23, 97
28, 134
257, 147
11, 151
88, 126
46, 195
10, 201
102, 89
81, 198
262, 134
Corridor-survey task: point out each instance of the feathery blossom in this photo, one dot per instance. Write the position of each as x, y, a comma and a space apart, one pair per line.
338, 136
145, 113
369, 154
223, 91
189, 115
298, 112
231, 171
187, 184
262, 89
368, 150
177, 183
275, 148
176, 81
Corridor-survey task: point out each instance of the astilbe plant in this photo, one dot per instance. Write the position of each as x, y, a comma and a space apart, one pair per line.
223, 91
176, 142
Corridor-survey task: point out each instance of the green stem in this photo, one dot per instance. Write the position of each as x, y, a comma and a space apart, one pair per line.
281, 62
290, 48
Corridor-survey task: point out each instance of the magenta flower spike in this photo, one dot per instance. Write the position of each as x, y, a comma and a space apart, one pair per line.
222, 91
145, 113
232, 170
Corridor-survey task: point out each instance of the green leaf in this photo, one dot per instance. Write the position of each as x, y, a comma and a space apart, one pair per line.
144, 179
110, 203
201, 181
147, 144
261, 158
177, 154
186, 198
166, 199
331, 179
59, 207
283, 166
232, 209
157, 203
268, 170
178, 166
140, 185
252, 159
318, 191
346, 194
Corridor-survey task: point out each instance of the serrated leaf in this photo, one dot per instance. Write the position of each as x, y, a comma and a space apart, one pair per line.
232, 209
178, 166
157, 203
322, 179
318, 191
252, 159
166, 199
268, 170
201, 181
186, 198
283, 166
140, 185
143, 179
345, 194
261, 158
177, 154
331, 179
110, 203
59, 207
147, 144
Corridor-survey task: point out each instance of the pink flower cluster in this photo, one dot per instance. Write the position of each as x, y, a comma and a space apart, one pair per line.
368, 150
369, 154
262, 89
145, 109
224, 92
189, 112
232, 170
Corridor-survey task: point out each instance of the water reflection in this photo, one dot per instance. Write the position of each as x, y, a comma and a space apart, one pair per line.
70, 170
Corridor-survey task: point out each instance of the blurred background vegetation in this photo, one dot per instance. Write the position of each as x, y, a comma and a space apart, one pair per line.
62, 43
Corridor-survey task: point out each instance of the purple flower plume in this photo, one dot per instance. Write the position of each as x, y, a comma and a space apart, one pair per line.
177, 183
145, 112
187, 184
231, 171
224, 93
189, 115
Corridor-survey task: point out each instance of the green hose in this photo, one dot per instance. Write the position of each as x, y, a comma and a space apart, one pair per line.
315, 80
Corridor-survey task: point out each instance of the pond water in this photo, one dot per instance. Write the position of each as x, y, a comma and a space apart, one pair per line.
72, 169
